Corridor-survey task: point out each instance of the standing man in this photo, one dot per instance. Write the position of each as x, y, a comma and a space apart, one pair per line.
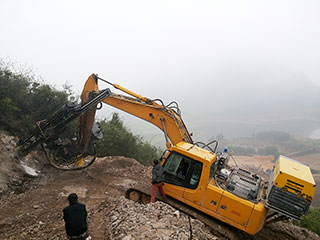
157, 177
75, 218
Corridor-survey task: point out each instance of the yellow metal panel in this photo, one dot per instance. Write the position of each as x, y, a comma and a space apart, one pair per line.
148, 113
234, 208
257, 219
246, 209
203, 154
205, 210
90, 85
212, 197
295, 169
294, 176
195, 195
173, 191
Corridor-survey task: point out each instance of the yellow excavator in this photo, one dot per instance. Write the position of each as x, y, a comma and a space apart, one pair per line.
198, 179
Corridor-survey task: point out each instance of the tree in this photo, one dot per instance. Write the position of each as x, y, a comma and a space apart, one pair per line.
24, 101
119, 141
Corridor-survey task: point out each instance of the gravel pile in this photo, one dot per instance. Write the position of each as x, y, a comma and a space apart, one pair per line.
127, 220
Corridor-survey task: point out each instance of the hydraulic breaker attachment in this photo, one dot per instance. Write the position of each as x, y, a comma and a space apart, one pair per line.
64, 153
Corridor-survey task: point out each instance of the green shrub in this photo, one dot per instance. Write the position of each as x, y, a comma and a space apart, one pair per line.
119, 141
311, 221
24, 101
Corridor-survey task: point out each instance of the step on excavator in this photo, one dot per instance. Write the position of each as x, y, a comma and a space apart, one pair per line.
197, 178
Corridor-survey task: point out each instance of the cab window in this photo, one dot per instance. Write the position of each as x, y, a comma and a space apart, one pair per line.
182, 171
212, 168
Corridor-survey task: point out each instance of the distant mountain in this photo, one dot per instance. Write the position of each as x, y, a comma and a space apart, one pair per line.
240, 109
238, 106
291, 96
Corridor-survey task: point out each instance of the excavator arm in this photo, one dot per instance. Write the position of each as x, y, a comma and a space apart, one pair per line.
167, 118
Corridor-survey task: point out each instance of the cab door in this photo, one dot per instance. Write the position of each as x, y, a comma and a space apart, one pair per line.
173, 181
181, 176
193, 191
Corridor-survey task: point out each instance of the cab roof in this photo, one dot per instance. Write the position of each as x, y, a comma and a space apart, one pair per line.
198, 152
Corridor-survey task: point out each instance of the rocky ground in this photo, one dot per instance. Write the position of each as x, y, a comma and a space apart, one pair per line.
32, 200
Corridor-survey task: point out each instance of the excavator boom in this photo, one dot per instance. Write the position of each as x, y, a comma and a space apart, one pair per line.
166, 118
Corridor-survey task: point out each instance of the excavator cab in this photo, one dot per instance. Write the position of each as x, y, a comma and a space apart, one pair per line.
186, 171
201, 179
182, 170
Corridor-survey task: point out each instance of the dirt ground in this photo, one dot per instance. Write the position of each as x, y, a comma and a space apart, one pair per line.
37, 213
31, 206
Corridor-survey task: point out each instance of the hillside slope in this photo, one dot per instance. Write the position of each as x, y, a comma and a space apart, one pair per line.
35, 210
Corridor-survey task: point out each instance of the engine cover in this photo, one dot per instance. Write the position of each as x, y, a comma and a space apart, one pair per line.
244, 184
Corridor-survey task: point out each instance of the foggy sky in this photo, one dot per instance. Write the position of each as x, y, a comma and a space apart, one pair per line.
199, 53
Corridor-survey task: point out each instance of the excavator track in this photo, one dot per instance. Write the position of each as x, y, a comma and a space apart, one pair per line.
142, 194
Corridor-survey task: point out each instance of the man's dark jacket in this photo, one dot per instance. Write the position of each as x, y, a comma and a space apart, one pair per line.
157, 174
75, 217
